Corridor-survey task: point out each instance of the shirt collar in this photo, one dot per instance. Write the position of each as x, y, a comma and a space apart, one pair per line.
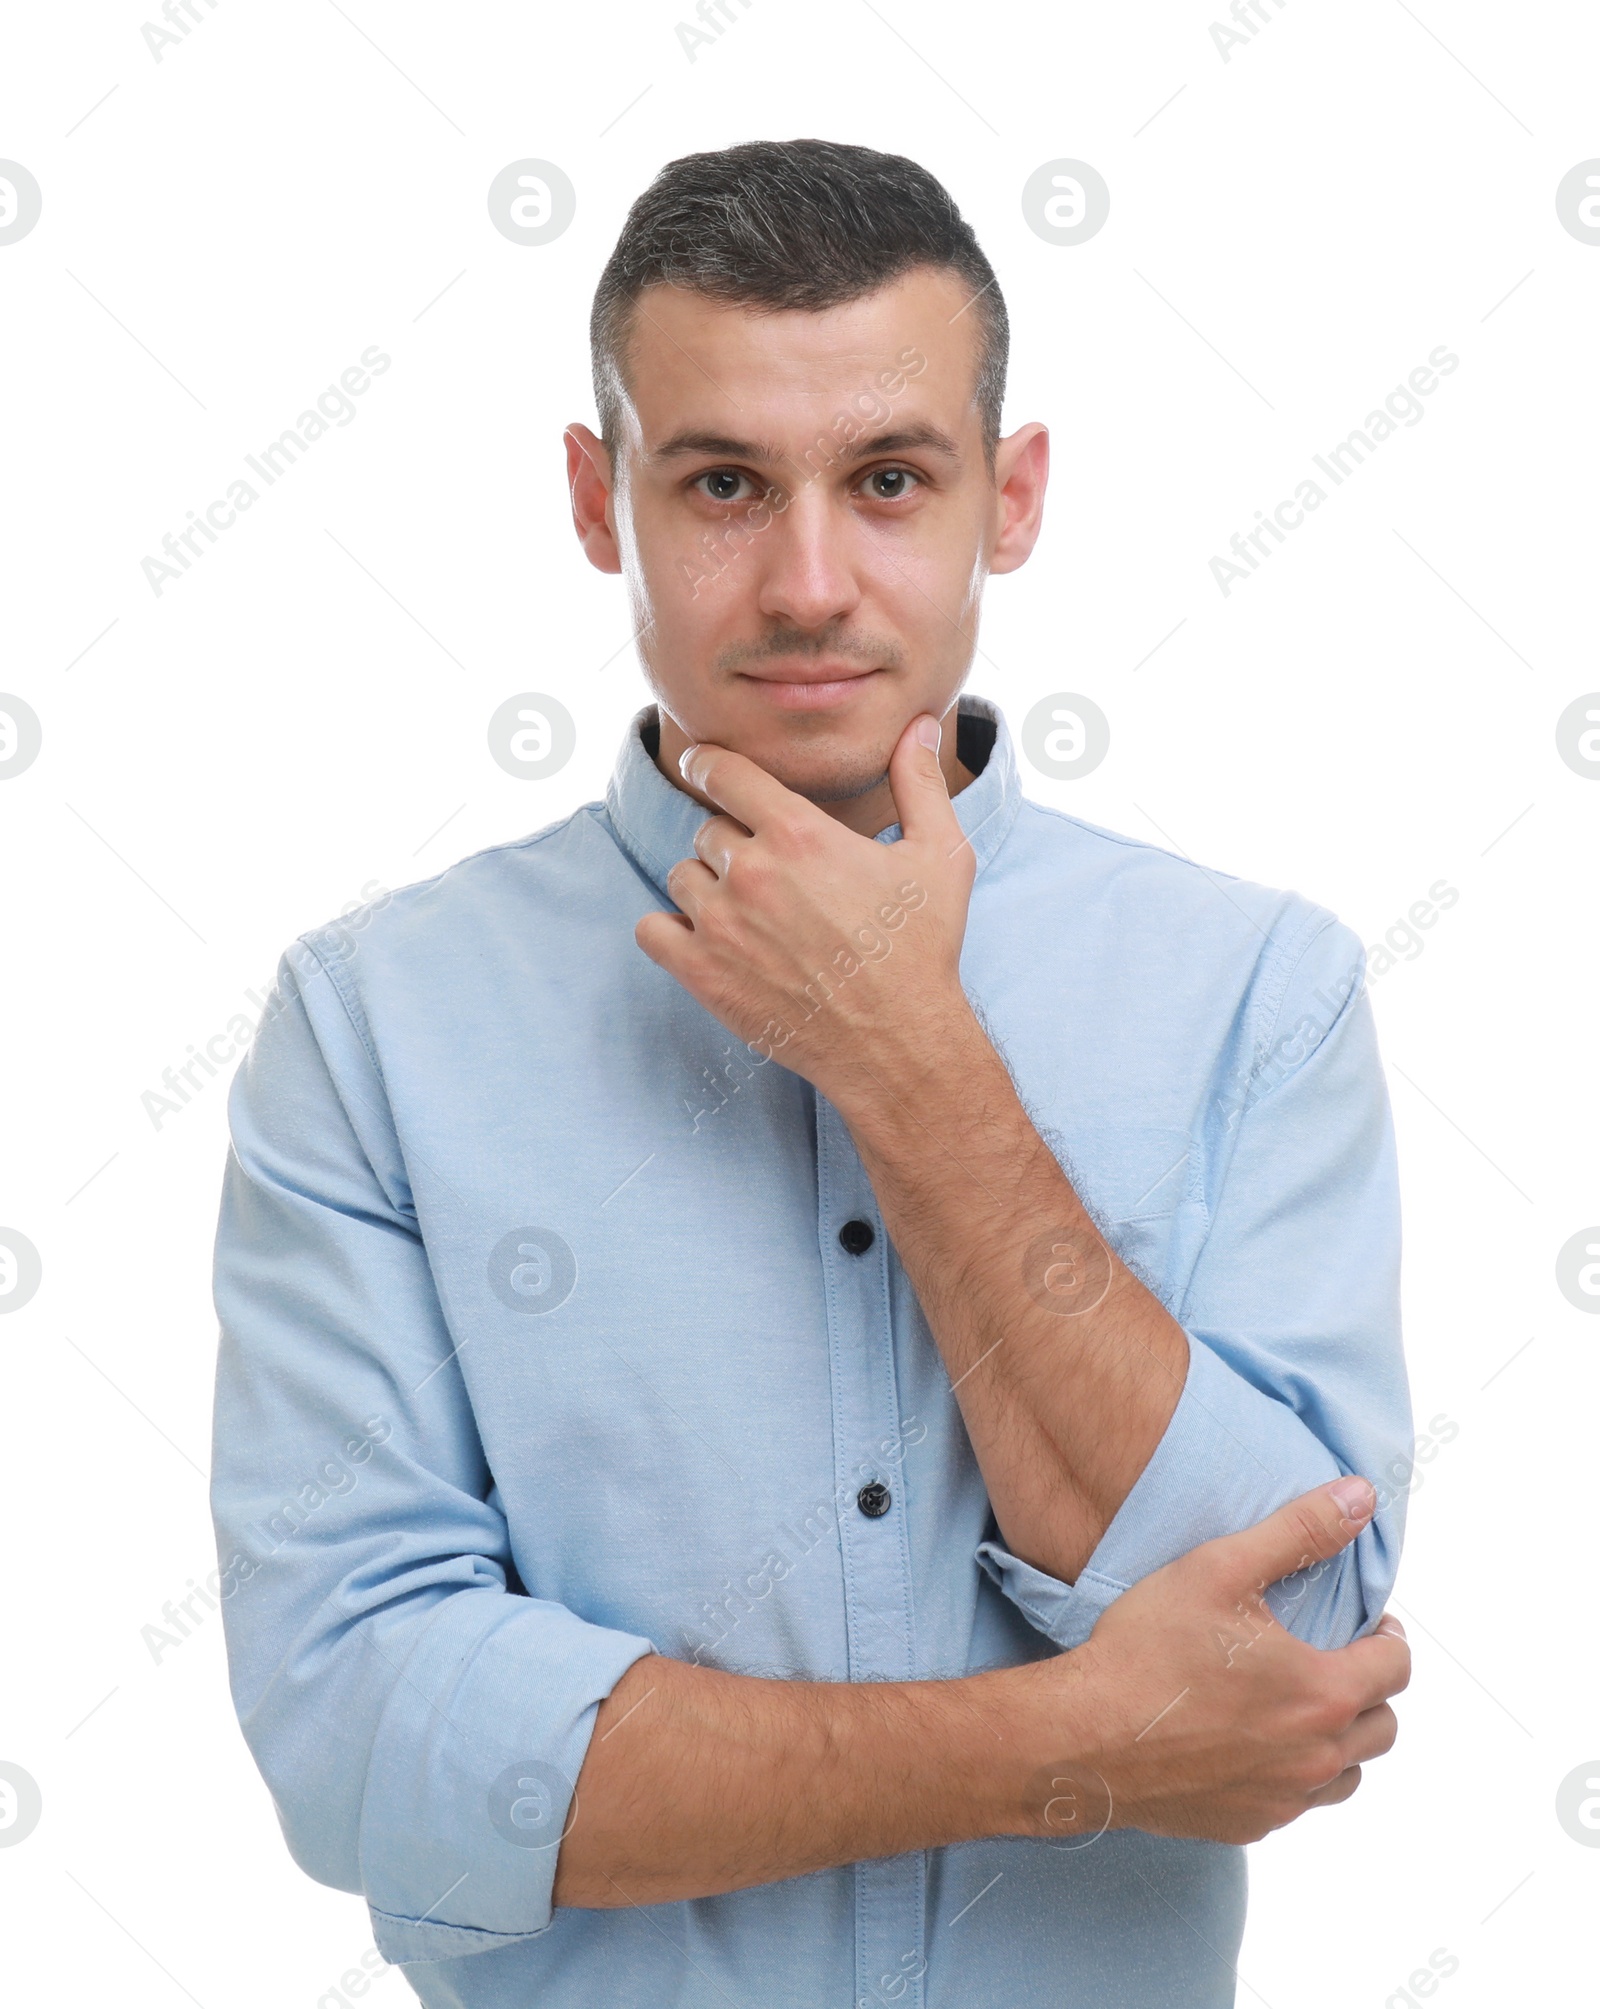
656, 822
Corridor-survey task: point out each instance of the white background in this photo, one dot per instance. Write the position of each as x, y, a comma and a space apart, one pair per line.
1292, 231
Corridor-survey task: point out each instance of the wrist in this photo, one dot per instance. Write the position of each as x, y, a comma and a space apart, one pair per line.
1051, 1787
1004, 1736
925, 1764
906, 1062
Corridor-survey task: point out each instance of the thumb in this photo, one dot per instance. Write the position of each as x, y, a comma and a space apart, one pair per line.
916, 781
1311, 1529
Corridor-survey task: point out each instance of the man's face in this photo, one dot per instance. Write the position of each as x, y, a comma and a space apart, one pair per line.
805, 517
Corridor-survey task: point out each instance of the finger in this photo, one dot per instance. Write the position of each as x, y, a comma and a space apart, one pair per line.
921, 793
737, 785
690, 883
1312, 1528
1371, 1735
716, 841
1335, 1790
665, 939
1375, 1667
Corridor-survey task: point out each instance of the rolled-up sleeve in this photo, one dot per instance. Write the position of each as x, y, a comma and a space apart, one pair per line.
1292, 1311
418, 1721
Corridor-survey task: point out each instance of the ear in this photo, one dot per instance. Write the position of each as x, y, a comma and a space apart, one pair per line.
589, 483
1021, 472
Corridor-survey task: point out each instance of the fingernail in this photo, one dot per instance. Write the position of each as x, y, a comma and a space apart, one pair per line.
928, 732
684, 759
1354, 1498
1390, 1624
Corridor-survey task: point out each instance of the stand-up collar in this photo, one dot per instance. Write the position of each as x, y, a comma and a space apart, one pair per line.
656, 821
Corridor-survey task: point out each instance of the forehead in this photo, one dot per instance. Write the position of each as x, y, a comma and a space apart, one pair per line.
696, 363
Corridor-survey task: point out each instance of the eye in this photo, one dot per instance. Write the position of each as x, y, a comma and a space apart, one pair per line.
890, 484
720, 484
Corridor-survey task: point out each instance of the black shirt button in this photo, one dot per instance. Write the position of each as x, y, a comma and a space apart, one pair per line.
873, 1499
856, 1237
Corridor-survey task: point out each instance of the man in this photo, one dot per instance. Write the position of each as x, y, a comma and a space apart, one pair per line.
799, 1348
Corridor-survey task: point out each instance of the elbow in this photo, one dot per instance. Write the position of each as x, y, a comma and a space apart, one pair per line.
315, 1784
319, 1836
1331, 1603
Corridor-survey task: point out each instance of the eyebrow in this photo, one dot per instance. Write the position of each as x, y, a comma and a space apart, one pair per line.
907, 439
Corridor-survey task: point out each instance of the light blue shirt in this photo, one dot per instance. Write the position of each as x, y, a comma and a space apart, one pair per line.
540, 1348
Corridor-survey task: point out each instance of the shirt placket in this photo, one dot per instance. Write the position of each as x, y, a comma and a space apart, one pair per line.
871, 1504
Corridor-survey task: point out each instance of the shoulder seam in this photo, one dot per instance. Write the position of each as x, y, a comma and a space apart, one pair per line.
1290, 955
1347, 1004
590, 809
352, 1007
346, 992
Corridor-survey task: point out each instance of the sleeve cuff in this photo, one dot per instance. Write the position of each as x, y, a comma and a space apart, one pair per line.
471, 1783
1230, 1456
1064, 1612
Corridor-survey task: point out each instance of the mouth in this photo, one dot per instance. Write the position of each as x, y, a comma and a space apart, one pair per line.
810, 686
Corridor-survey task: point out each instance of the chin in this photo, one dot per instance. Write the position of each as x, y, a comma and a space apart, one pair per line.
839, 780
824, 756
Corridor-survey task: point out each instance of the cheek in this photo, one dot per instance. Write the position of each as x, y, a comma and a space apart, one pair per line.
925, 580
688, 578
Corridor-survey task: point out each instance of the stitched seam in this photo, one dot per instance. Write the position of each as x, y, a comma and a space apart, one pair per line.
1290, 955
352, 1010
443, 1925
1346, 1006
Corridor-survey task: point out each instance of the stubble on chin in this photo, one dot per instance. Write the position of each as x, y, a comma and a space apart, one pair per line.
844, 785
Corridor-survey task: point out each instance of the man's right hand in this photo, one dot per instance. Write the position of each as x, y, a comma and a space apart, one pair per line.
1189, 1711
1194, 1713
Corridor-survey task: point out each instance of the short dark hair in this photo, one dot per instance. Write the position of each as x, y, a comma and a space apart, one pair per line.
805, 224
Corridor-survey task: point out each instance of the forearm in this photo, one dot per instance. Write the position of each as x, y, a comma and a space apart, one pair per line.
1066, 1368
698, 1782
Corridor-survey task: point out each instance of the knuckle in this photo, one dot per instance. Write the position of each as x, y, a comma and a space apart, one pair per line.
1315, 1767
1329, 1760
1339, 1703
797, 835
1280, 1811
1332, 1714
748, 870
1324, 1702
1309, 1535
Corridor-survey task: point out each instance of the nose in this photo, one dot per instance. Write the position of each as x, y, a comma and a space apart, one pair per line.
808, 575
